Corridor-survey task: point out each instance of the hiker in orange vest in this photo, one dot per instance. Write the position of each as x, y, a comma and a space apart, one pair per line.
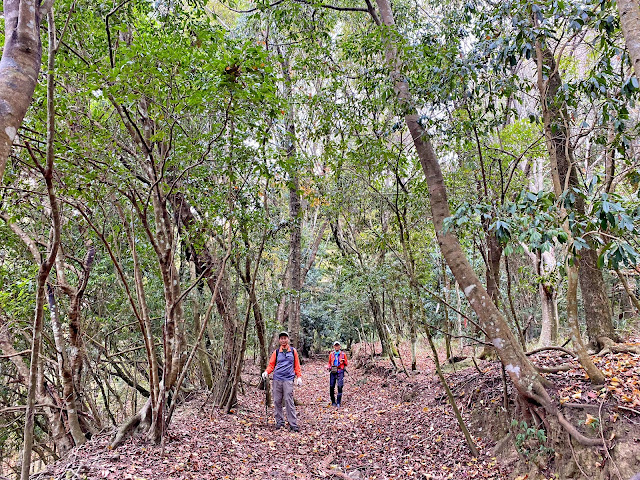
285, 365
337, 364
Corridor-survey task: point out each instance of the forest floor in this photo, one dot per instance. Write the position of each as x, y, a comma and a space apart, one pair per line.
391, 426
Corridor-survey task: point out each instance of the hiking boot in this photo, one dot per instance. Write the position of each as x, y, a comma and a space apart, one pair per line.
334, 404
337, 405
294, 429
278, 427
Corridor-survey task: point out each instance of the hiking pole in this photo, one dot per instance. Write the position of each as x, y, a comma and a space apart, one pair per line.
266, 404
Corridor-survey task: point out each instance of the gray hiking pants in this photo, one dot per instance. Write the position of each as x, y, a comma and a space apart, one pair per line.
283, 390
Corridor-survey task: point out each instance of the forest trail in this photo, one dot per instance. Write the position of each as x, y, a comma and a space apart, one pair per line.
375, 435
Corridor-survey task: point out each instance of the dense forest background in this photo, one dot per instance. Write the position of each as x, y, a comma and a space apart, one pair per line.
180, 180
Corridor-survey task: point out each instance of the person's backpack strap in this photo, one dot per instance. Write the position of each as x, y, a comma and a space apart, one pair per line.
293, 350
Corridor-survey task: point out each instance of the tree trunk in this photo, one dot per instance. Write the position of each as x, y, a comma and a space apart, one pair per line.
295, 246
526, 379
563, 170
595, 375
61, 440
630, 23
24, 31
295, 252
19, 68
208, 265
381, 328
595, 299
64, 371
205, 366
549, 331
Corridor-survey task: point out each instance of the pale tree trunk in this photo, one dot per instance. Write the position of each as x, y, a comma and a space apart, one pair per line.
630, 23
544, 263
35, 369
526, 379
549, 330
314, 250
284, 307
19, 67
563, 171
144, 316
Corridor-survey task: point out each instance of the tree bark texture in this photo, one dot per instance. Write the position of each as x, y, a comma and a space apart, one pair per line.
19, 68
294, 326
64, 371
630, 23
595, 375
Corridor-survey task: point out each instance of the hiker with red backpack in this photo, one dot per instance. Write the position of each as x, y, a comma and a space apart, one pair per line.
285, 365
337, 364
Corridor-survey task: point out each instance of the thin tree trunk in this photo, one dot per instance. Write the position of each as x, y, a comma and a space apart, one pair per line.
35, 373
314, 250
203, 358
465, 431
207, 265
549, 331
631, 295
295, 251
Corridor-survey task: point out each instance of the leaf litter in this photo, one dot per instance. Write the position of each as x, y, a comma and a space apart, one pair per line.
379, 433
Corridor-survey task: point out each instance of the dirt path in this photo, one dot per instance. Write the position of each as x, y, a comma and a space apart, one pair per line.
375, 435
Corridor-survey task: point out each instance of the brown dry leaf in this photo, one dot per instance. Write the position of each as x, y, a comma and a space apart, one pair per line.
590, 420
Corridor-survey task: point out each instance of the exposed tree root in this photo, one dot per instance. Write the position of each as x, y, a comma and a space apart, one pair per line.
576, 435
608, 345
560, 349
324, 468
560, 368
140, 421
541, 397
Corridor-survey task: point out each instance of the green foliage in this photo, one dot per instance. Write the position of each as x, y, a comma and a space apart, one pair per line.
530, 441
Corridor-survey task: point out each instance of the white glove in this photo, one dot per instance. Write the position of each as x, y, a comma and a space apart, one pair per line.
298, 381
265, 376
